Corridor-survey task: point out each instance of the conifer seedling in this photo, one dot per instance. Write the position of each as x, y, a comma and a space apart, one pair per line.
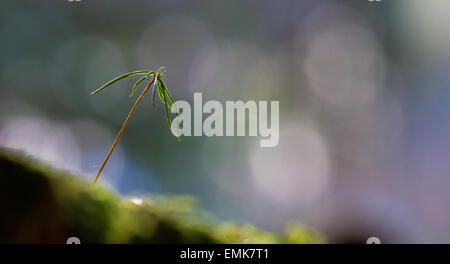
157, 85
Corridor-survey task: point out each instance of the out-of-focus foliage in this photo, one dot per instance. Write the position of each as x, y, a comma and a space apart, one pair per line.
40, 204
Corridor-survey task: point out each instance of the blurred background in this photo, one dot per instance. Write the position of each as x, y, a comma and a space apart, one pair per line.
364, 144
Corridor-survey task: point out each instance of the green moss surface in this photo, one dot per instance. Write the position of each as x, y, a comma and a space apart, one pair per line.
39, 204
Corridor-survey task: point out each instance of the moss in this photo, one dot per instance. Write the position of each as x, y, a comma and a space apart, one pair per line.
40, 204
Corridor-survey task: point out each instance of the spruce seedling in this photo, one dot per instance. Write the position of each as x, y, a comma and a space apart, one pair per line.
157, 85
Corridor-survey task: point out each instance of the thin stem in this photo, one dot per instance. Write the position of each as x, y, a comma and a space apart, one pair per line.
123, 127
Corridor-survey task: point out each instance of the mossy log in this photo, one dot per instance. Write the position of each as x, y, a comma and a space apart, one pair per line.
39, 204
